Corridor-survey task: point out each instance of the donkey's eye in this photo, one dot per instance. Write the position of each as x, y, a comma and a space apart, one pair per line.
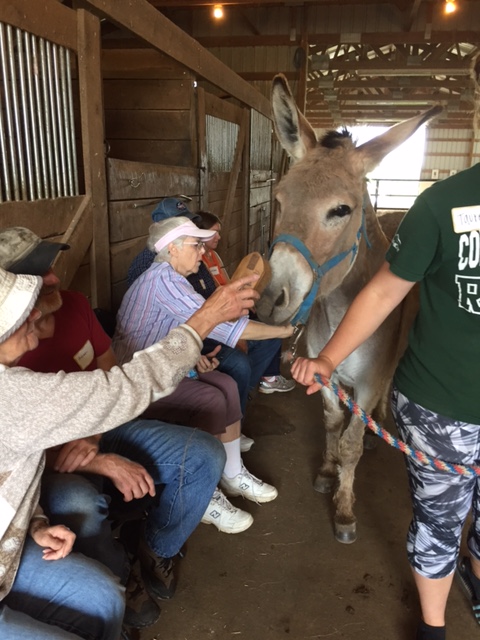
339, 212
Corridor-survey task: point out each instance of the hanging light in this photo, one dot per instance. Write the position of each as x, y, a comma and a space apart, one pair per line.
450, 6
218, 12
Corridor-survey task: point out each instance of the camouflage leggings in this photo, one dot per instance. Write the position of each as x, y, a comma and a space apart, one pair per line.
441, 500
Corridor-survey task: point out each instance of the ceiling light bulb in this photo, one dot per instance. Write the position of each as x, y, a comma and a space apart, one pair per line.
450, 6
218, 11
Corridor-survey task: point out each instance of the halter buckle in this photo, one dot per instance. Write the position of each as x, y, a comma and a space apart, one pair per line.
294, 340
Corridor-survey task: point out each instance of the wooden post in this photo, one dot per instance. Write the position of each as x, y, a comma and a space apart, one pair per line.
232, 184
202, 149
93, 136
246, 184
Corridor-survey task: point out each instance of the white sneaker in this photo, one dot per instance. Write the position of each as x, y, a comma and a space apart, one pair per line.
280, 384
247, 485
246, 443
225, 516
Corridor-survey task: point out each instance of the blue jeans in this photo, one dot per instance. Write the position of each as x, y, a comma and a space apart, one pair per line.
185, 464
263, 359
79, 502
66, 599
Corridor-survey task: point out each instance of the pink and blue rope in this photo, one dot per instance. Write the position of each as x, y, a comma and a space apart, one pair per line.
420, 456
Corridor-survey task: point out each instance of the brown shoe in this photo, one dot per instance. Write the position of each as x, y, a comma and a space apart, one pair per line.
140, 610
157, 572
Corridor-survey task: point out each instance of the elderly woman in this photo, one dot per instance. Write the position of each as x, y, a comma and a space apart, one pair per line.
160, 299
46, 592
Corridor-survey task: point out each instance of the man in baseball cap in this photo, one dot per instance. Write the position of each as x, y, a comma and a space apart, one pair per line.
171, 208
22, 251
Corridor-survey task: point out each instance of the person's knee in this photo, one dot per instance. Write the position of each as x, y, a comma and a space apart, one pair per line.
432, 548
73, 500
211, 402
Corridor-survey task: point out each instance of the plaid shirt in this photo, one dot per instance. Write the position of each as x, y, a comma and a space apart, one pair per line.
158, 301
140, 264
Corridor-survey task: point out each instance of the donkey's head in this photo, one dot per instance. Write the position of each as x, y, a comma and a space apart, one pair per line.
321, 203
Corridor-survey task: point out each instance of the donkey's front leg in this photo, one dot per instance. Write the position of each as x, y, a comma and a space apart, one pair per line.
349, 451
334, 420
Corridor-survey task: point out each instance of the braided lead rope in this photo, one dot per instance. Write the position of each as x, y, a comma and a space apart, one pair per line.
420, 456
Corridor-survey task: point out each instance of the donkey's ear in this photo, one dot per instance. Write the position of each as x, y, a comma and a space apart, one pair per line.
293, 130
372, 152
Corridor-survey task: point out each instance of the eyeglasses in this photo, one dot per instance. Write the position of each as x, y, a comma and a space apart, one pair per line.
199, 245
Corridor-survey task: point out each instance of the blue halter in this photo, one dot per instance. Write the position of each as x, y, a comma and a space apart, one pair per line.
319, 271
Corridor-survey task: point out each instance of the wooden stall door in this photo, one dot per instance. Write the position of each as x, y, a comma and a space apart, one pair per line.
223, 136
151, 135
48, 182
261, 179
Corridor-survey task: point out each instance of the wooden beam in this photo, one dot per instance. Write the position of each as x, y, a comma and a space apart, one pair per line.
147, 23
232, 3
79, 237
413, 13
234, 174
46, 218
258, 76
380, 99
302, 72
93, 136
51, 20
400, 82
202, 149
331, 39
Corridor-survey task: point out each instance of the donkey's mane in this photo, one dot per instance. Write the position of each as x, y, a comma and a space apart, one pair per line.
333, 139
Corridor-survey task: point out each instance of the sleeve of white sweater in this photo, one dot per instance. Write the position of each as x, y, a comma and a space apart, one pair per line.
40, 410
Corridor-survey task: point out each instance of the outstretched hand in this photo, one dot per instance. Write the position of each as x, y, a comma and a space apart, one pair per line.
234, 300
304, 369
227, 303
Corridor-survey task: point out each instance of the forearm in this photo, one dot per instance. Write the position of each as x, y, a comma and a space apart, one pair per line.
260, 331
103, 464
62, 407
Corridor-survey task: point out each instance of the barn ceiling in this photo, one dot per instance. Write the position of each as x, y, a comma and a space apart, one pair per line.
348, 62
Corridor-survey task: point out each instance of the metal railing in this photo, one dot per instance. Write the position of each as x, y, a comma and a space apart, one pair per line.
395, 193
38, 153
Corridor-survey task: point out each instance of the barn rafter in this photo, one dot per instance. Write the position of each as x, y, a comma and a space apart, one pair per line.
336, 53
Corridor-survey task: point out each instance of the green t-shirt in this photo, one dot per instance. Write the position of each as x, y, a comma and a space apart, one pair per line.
441, 366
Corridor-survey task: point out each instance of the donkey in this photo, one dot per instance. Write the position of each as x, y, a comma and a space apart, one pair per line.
328, 243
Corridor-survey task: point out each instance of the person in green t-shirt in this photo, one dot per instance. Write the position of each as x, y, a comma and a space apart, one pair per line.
434, 398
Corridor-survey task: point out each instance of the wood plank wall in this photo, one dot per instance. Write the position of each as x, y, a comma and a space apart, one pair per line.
226, 182
151, 143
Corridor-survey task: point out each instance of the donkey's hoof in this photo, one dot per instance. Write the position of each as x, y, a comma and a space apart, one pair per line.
324, 484
346, 533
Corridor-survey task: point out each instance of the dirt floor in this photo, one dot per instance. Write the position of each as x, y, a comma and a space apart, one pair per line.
286, 576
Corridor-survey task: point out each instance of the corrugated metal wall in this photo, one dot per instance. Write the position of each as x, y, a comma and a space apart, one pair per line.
221, 142
449, 150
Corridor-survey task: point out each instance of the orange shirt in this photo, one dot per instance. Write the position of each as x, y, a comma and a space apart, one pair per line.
214, 264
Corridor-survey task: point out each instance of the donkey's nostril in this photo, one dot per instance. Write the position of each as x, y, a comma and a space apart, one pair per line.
281, 299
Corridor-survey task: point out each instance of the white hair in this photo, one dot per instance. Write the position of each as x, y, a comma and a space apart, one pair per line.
159, 229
